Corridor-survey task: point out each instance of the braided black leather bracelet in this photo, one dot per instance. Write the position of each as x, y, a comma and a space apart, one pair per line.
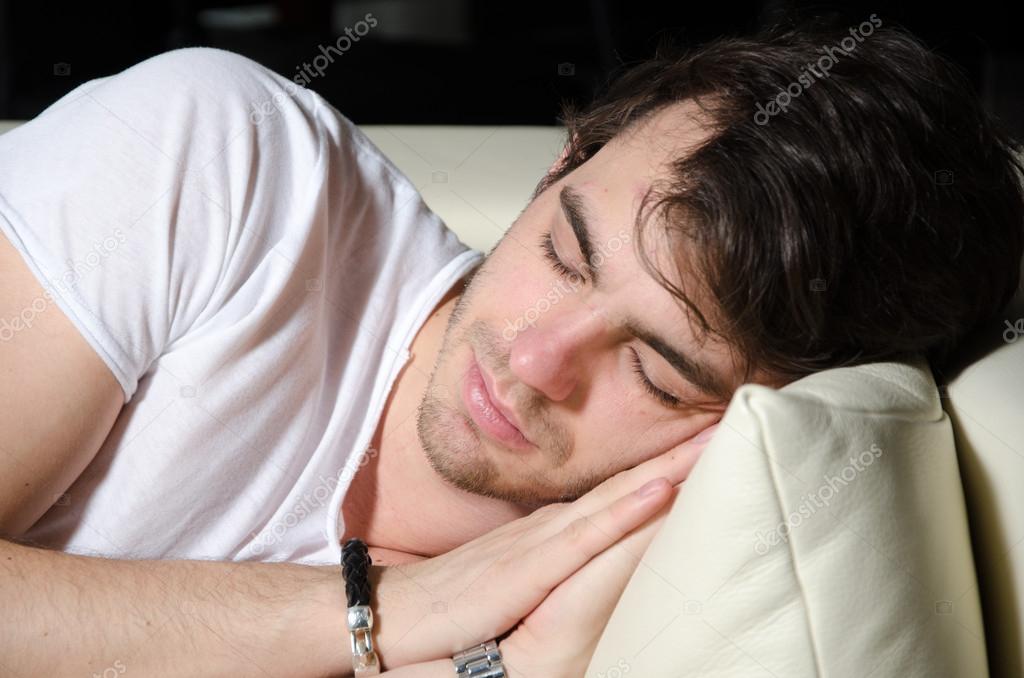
355, 567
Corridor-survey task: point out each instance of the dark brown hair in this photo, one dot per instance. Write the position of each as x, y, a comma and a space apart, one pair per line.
874, 213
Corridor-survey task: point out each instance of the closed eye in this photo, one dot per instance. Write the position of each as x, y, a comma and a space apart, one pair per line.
547, 246
666, 399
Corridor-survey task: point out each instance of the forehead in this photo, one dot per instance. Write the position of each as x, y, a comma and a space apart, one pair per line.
637, 160
649, 145
612, 184
617, 178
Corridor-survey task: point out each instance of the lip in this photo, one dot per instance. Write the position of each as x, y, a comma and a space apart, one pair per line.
489, 414
506, 411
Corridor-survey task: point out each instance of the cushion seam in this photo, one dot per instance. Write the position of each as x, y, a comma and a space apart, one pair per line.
789, 543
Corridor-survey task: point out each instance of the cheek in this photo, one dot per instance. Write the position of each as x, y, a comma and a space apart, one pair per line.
616, 421
519, 288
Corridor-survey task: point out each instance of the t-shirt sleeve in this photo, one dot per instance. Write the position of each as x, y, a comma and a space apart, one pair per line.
138, 198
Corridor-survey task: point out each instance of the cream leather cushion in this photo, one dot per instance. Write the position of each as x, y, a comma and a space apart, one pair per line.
984, 398
822, 533
478, 179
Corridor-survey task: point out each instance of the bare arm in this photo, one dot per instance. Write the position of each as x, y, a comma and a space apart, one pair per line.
75, 615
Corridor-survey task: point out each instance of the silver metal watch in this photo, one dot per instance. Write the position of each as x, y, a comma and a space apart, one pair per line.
480, 661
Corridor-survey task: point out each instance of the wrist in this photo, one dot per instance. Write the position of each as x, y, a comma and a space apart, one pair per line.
521, 663
512, 659
437, 668
330, 626
399, 605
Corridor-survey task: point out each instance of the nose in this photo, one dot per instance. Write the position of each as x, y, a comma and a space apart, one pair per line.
549, 355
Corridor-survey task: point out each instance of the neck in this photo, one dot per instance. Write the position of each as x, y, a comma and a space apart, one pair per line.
397, 501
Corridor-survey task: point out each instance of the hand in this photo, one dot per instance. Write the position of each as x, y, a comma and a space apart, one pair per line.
433, 608
558, 638
544, 644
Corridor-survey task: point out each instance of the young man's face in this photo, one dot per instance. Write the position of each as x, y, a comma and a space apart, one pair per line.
556, 352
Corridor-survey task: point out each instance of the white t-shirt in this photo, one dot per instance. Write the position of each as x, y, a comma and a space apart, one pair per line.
252, 270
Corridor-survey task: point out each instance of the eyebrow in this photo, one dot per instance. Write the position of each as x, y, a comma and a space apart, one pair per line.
695, 371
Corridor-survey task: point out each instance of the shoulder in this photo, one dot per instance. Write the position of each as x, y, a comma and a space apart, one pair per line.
212, 85
204, 64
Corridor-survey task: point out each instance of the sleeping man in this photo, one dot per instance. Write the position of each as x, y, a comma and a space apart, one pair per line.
233, 337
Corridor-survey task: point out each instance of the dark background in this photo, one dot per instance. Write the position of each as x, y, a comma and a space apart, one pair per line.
454, 61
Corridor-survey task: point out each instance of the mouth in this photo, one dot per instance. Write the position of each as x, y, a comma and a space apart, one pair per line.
495, 419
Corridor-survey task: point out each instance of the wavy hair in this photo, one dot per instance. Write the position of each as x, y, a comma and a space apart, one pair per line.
878, 214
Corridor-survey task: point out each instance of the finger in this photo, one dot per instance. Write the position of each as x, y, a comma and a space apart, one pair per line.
583, 536
617, 563
675, 464
635, 544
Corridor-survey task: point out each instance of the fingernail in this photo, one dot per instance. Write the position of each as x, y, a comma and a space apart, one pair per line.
650, 487
706, 434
